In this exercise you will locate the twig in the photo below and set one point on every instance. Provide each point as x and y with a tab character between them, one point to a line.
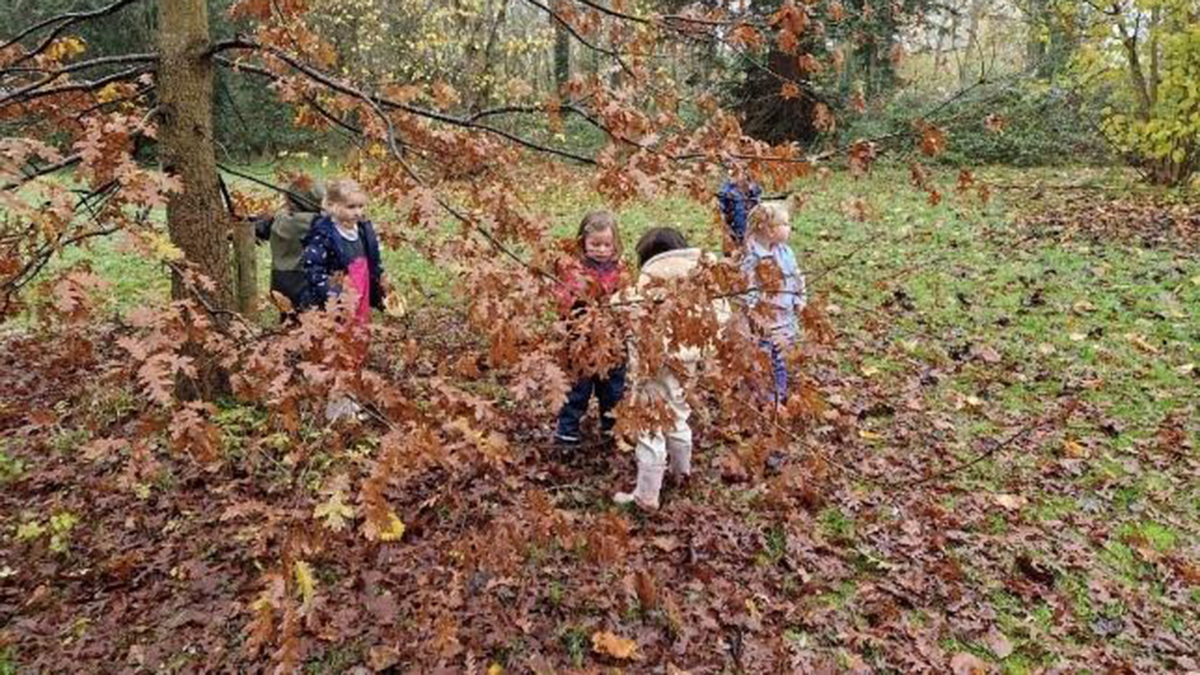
19	93
1029	428
68	19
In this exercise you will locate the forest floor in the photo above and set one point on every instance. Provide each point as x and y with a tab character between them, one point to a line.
1005	479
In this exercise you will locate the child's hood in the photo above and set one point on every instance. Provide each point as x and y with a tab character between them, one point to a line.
671	265
306	200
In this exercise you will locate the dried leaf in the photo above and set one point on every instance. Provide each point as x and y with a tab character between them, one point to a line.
1073	449
967	664
610	644
647	591
334	511
1010	502
305	581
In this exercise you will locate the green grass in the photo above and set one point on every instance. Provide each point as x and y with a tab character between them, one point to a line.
11	467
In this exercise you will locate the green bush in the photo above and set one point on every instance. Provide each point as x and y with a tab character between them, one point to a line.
1040	127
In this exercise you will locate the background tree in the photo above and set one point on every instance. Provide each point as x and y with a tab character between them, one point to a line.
1142	60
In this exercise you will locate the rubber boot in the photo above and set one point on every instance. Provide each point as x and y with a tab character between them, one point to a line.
649	484
679	456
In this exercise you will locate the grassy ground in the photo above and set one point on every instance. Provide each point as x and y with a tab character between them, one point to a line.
1056	359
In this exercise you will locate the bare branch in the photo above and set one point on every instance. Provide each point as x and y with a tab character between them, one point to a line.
42	171
575	34
389	104
614	13
17	94
67	20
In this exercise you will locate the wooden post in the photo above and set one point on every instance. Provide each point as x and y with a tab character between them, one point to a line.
246	268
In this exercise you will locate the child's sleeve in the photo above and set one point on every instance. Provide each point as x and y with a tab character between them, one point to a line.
316	268
750	273
567	292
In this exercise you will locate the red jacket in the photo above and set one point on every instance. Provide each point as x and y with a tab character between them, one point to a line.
586	280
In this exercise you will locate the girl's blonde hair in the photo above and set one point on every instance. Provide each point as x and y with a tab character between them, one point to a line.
340	191
600	221
770	214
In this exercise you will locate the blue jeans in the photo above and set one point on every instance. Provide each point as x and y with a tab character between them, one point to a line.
608	390
778	371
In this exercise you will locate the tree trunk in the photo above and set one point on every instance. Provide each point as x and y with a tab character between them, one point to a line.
484	98
562	55
975	13
1035	45
1155	20
1137	79
196	218
246	268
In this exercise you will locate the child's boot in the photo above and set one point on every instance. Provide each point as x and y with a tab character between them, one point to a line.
649	484
679	456
679	467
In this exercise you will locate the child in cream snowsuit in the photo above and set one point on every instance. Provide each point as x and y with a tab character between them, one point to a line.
664	255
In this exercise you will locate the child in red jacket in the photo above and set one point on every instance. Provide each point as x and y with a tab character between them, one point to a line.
595	275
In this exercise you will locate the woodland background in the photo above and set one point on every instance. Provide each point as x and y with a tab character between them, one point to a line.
989	464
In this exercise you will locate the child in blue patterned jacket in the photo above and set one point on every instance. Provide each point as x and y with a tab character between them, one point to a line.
775	280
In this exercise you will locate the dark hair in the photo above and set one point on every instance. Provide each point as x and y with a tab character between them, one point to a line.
600	221
659	240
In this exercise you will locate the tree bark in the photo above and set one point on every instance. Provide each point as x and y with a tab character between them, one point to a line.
1155	20
196	219
1137	79
562	55
484	98
246	266
195	215
1035	45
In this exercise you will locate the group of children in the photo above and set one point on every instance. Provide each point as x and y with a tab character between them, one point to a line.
322	247
774	299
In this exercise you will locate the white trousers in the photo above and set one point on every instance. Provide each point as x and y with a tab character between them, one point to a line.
674	443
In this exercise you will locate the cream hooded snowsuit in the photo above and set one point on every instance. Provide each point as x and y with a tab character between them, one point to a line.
673	444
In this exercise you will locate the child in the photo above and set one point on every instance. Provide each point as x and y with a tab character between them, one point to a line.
775	280
287	231
595	274
663	255
737	198
340	249
341	253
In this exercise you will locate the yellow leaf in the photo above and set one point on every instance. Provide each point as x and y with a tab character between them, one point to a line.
1073	449
163	247
1140	342
394	304
65	48
305	580
752	609
609	644
1010	502
394	530
109	93
334	511
870	371
495	669
868	435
